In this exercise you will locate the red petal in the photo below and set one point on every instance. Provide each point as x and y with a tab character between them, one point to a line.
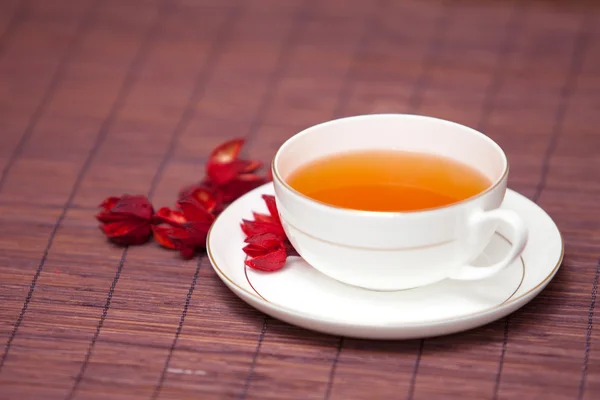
108	217
125	233
272	261
272	206
109	203
197	232
251	166
208	198
189	239
262	217
137	206
138	236
171	217
253	251
162	235
125	208
118	228
177	238
252	228
221	173
226	152
267	246
194	210
265	240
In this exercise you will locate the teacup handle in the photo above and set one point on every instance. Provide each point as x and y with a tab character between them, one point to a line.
517	234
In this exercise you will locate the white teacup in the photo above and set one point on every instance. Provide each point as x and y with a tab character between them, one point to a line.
397	250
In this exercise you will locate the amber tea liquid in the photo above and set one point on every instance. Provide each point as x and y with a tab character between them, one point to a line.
388	180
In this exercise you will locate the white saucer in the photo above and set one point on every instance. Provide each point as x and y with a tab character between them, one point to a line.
300	295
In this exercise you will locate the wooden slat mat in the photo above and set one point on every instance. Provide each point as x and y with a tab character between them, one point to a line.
100	98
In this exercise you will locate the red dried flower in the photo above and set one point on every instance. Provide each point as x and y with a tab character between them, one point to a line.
126	220
264	223
185	229
223	164
230	176
268	246
211	200
266	252
227	176
131	219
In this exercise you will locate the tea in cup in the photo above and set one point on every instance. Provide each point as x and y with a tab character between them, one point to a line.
394	201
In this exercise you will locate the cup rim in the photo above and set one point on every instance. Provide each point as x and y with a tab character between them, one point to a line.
306	131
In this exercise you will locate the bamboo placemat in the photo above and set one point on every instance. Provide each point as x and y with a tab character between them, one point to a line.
102	98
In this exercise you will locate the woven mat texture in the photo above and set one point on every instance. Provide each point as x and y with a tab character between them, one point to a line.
101	98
